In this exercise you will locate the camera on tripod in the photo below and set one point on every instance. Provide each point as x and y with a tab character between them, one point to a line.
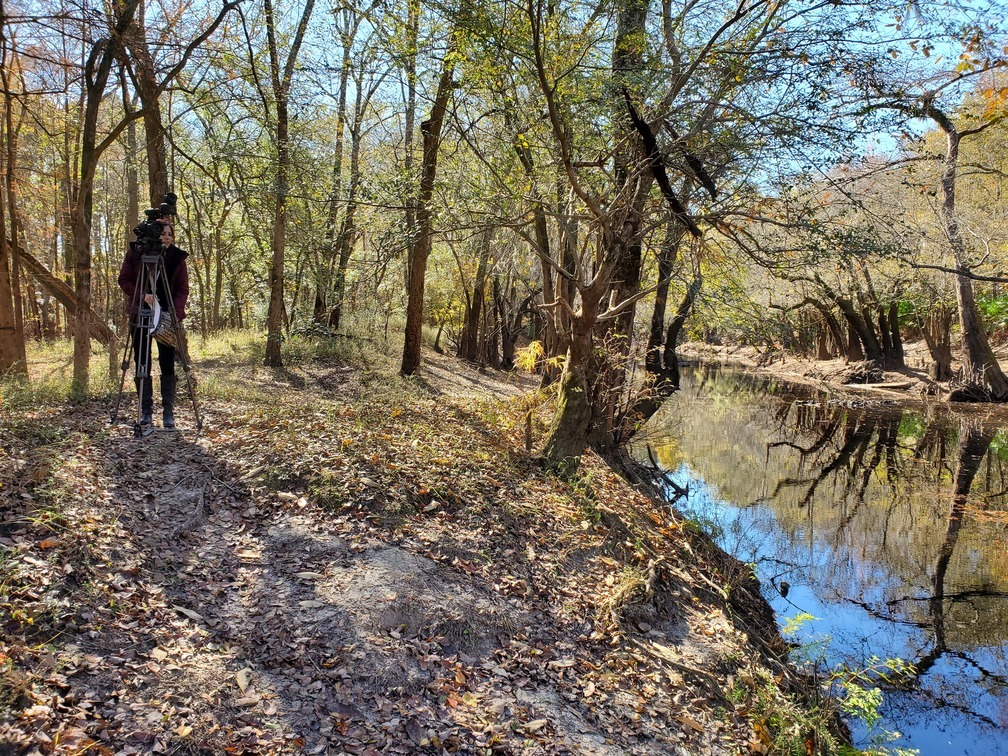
148	232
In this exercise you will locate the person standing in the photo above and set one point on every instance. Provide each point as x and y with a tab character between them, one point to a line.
178	282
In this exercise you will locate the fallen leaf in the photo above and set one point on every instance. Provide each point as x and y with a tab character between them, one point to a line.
183	731
413	729
194	616
310	575
535	725
242	678
49	543
687	721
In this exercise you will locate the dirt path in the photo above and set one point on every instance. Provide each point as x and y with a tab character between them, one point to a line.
347	576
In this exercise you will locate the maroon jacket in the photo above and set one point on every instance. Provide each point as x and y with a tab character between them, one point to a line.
177	273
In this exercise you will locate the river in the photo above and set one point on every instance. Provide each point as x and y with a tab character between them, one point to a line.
887	525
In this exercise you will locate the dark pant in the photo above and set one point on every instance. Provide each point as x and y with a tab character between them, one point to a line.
142	345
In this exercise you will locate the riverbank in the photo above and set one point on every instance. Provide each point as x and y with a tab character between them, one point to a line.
346	561
910	385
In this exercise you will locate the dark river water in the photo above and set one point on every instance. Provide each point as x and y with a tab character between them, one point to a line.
888	526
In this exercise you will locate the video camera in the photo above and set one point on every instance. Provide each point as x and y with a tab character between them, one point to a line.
148	233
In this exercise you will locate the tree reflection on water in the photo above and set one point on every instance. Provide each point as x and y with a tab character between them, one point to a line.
888	524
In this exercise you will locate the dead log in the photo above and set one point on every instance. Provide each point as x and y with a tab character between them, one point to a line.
64	295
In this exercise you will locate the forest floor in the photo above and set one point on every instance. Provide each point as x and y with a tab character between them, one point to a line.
345	561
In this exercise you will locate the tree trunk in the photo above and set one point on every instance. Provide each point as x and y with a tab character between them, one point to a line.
97	70
422	242
896	358
666	262
469	341
274	321
979	362
281	81
675	327
348	233
412	36
12	211
568	433
936	329
147	87
332	246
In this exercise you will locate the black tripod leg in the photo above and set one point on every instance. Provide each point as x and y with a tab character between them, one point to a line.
122	380
143	373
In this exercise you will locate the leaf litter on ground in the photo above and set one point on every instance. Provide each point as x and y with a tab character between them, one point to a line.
357	569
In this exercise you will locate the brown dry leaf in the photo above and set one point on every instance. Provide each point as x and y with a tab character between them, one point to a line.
242	678
535	725
183	731
688	721
194	616
49	543
413	729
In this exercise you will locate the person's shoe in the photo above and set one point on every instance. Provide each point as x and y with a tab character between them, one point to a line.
168	419
146	417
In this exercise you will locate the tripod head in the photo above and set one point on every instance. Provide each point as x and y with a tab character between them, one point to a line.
148	232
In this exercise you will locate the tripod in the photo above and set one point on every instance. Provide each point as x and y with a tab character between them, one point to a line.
150	276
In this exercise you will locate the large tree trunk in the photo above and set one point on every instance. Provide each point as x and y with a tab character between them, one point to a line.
12	357
422	243
861	329
979	362
97	70
15	262
633	181
895	360
147	87
568	433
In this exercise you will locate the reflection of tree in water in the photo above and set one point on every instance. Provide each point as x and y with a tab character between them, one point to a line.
846	448
889	522
974	440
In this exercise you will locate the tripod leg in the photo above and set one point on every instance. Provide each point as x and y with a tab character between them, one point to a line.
122	379
183	354
143	380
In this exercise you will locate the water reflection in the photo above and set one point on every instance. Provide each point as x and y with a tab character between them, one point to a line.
887	525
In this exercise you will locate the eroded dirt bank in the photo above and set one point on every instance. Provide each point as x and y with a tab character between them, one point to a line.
344	561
